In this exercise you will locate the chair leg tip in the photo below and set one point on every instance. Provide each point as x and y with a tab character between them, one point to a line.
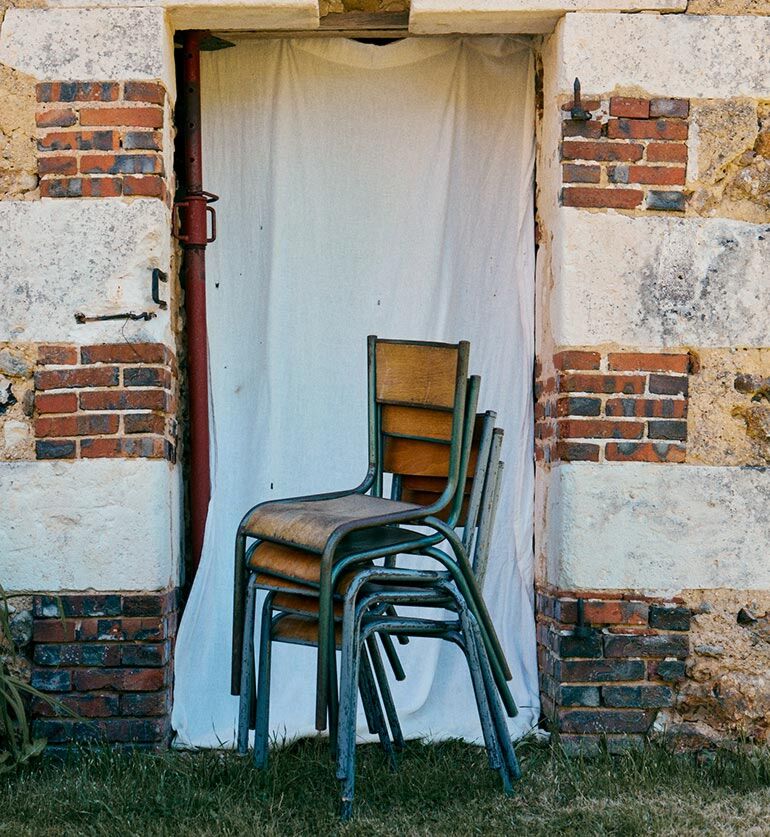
346	810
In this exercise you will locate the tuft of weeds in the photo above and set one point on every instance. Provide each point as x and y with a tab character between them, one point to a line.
440	789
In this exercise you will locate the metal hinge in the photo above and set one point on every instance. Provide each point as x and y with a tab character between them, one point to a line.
190	214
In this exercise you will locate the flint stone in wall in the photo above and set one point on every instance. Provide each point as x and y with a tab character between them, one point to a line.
660	282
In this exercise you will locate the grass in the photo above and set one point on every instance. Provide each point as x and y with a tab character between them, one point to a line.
440	789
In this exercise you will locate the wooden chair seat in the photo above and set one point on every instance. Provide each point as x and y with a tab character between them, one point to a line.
302	630
308	524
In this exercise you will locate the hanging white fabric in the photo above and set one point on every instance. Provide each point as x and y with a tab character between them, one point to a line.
365	190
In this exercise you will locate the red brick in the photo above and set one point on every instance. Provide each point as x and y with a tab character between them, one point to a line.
54	630
572	173
657	175
578	406
102	187
62	188
576	359
119	679
125	353
648	362
139	117
661	129
144	423
79	141
635	108
56	118
60	164
544	430
144	91
149	447
77	425
670	107
605	720
602	198
586	104
77	91
615	612
121	164
86	706
577	452
142	140
620	152
146	704
140	399
591	129
155	604
666	152
105	376
59	402
648	407
148	186
644	452
50	355
600	429
581	382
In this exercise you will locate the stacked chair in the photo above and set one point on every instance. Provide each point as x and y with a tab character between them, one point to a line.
329	562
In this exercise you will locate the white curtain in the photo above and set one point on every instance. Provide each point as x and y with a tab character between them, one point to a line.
365	190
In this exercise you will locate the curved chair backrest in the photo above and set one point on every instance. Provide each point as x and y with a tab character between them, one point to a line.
418	401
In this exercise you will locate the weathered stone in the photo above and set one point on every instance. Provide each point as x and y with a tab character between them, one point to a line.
14	365
21	628
728	7
18	158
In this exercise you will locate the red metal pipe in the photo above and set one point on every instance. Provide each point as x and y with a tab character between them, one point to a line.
194	212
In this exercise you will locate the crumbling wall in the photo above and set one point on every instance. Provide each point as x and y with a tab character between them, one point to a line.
18	152
17	401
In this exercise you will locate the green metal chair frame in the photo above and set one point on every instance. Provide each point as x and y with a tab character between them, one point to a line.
364	552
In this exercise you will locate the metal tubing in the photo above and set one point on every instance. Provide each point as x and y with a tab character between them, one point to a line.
195	300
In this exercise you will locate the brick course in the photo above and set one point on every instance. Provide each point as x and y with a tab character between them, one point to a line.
628	146
101	139
610	675
615	406
108	400
108	658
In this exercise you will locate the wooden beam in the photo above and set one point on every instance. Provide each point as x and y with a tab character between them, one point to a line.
390	25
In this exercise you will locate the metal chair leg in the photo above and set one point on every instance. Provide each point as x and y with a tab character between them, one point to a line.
262	726
385	693
369	694
247	672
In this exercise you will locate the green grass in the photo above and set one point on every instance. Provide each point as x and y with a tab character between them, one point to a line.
441	789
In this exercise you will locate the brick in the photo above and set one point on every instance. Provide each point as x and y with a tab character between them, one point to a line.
659	129
144	91
576	359
107	730
105	376
599	671
634	645
668	385
145	704
644	452
62	188
657	175
88	604
147	376
51	680
102	187
134	117
671	430
125	353
638	697
93	654
77	425
650	407
590	128
615	612
55	449
624	106
666	201
599	198
671	670
670	618
86	706
600	429
577	452
626	384
148	186
586	104
140	446
139	655
157	604
602	152
142	141
77	91
60	164
572	173
121	164
578	406
119	679
120	629
571	645
663	152
145	399
578	696
596	745
56	118
677	108
144	423
618	174
58	402
79	141
605	720
54	630
58	654
647	362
